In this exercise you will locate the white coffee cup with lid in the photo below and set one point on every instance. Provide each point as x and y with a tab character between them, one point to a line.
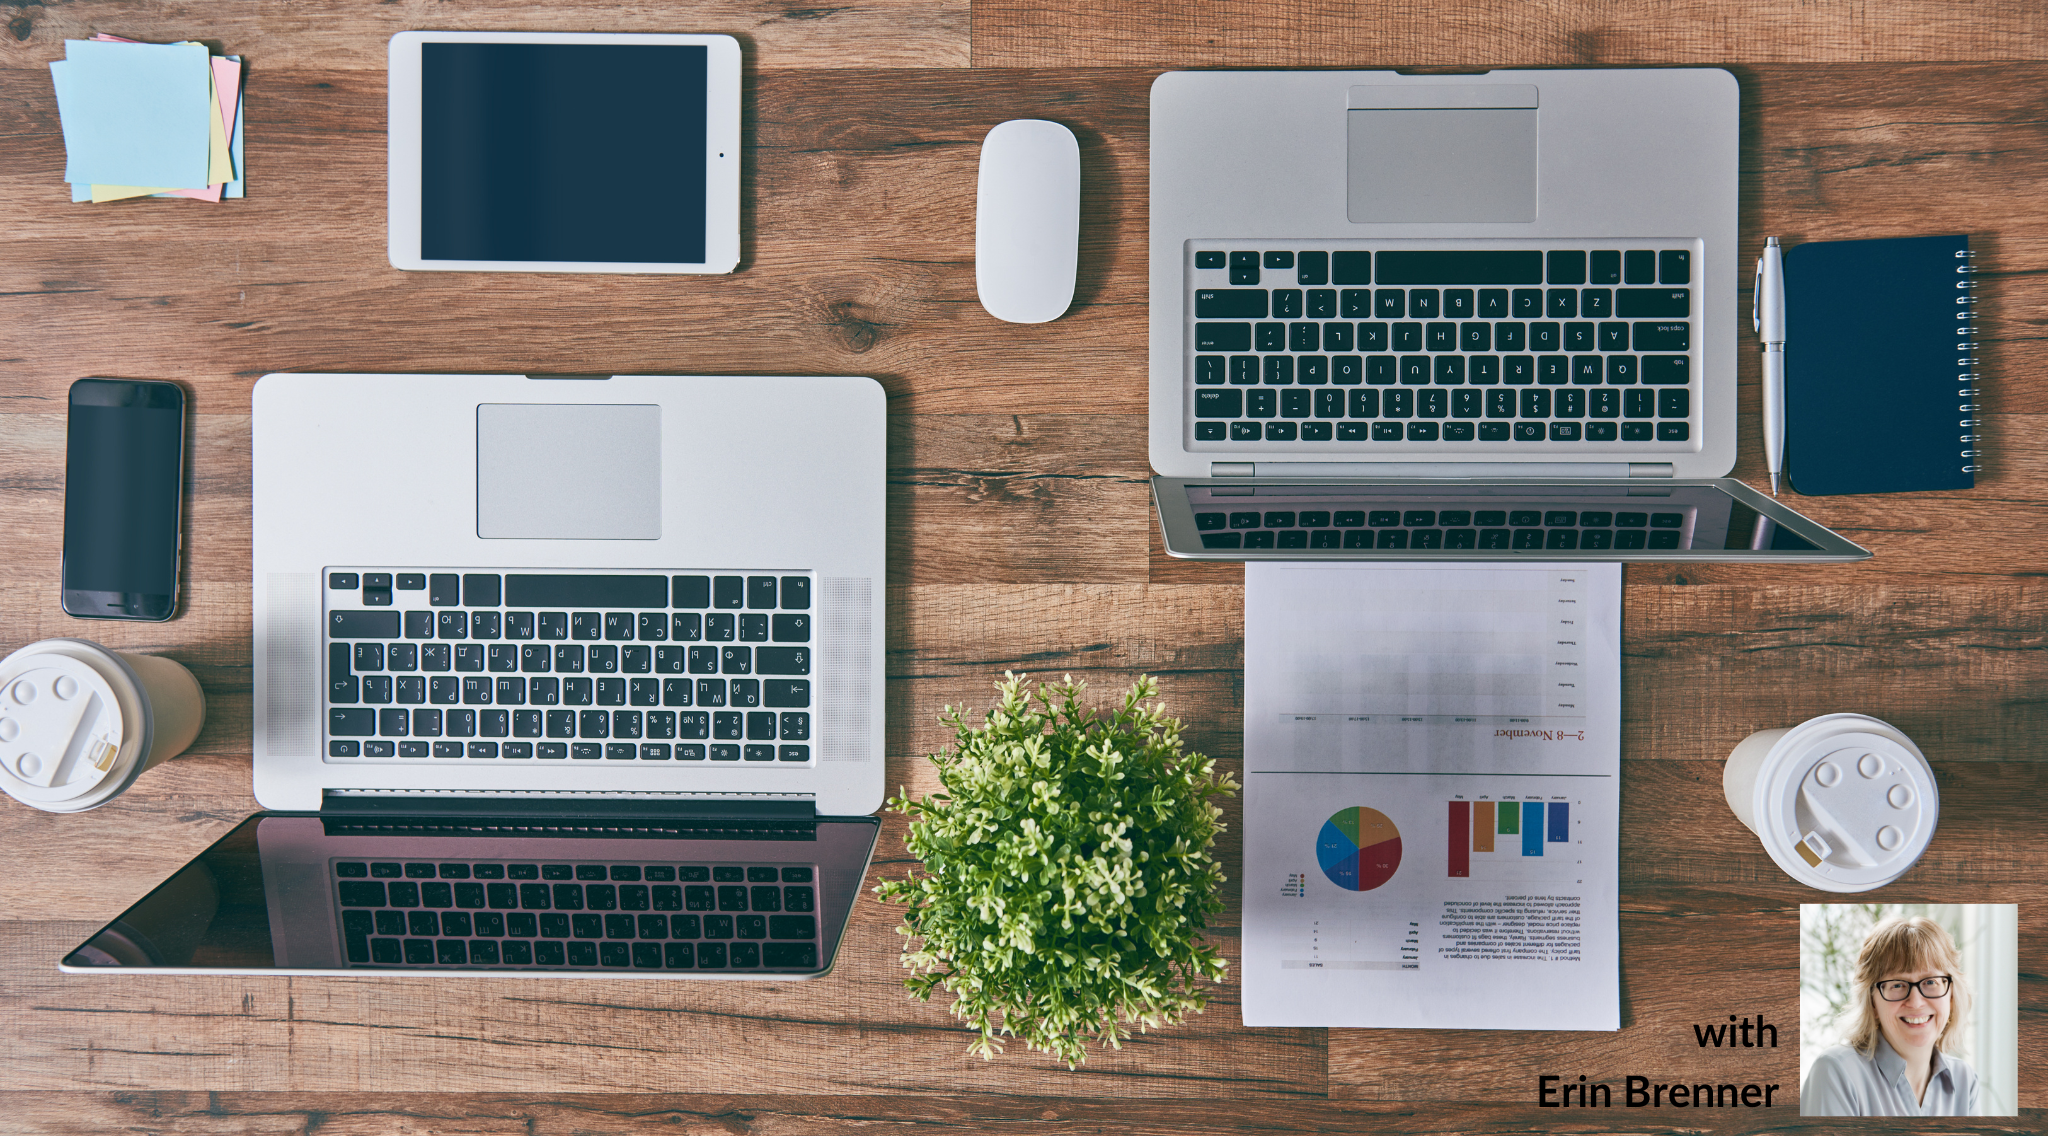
79	723
1842	802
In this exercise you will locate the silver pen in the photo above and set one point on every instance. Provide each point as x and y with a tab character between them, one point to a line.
1768	313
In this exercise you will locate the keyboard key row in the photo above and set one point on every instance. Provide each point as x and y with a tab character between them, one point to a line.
344	688
588	873
1446	432
469	897
581	751
370	657
1375	336
634	725
521	925
1485	266
548	953
1438	403
1441	303
1442	370
492	589
1423	518
1463	538
346	658
656	627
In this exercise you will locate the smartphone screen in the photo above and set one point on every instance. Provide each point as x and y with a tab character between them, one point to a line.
124	467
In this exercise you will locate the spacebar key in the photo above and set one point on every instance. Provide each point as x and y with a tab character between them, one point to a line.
1481	266
586	591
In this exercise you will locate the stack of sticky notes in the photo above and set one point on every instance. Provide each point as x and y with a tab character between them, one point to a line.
149	119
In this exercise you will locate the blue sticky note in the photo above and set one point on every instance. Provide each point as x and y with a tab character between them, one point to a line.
134	113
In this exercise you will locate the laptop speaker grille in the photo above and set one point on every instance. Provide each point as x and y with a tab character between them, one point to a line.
846	654
291	697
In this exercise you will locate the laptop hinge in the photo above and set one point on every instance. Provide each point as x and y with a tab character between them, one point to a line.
591	806
1486	471
594	818
578	378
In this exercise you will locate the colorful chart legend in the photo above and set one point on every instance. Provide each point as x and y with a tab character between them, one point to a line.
1359	849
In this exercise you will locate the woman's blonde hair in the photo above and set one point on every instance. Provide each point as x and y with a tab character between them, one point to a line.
1901	946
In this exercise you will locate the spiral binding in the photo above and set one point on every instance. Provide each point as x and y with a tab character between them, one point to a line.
1966	362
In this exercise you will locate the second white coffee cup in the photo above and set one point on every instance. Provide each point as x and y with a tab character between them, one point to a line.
1842	802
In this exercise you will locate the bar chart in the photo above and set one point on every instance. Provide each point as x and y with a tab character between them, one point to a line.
1494	835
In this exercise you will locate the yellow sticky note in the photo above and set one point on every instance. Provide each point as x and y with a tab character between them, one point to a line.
122	192
219	168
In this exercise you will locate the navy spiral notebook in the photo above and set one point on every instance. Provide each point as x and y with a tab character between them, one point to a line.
1880	379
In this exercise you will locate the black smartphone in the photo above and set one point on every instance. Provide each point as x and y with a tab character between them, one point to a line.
124	489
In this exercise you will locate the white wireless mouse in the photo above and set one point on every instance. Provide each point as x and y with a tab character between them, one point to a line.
1027	220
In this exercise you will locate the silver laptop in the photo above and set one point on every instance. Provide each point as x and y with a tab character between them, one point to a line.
555	675
1505	296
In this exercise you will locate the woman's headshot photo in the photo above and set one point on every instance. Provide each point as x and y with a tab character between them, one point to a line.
1908	1009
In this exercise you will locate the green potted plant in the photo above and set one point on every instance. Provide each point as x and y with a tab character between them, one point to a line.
1067	871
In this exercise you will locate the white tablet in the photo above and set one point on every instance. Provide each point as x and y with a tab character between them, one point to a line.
563	152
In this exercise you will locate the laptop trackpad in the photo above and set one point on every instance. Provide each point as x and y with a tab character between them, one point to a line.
554	471
1442	165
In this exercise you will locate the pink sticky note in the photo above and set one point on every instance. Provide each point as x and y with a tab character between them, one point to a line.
227	82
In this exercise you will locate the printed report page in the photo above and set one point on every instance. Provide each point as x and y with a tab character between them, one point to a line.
1432	788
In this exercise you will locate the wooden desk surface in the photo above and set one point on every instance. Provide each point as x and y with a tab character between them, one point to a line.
1020	537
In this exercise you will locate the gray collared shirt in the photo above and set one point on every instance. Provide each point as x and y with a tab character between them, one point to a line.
1843	1082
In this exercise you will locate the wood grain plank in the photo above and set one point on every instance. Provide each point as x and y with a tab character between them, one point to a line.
1501	33
1703	667
343	36
173	1113
857	257
1016	499
855	1030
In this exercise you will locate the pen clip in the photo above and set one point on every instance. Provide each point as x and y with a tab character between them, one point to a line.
1756	298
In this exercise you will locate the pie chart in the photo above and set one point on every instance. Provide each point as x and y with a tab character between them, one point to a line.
1359	848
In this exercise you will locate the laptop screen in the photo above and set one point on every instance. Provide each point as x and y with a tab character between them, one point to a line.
647	898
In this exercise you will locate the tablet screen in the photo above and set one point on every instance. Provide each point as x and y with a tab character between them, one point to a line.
563	152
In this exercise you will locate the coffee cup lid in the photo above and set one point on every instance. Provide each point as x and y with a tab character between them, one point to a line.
68	736
1846	803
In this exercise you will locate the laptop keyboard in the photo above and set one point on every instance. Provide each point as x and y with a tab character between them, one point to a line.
602	666
1479	529
1351	348
540	916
